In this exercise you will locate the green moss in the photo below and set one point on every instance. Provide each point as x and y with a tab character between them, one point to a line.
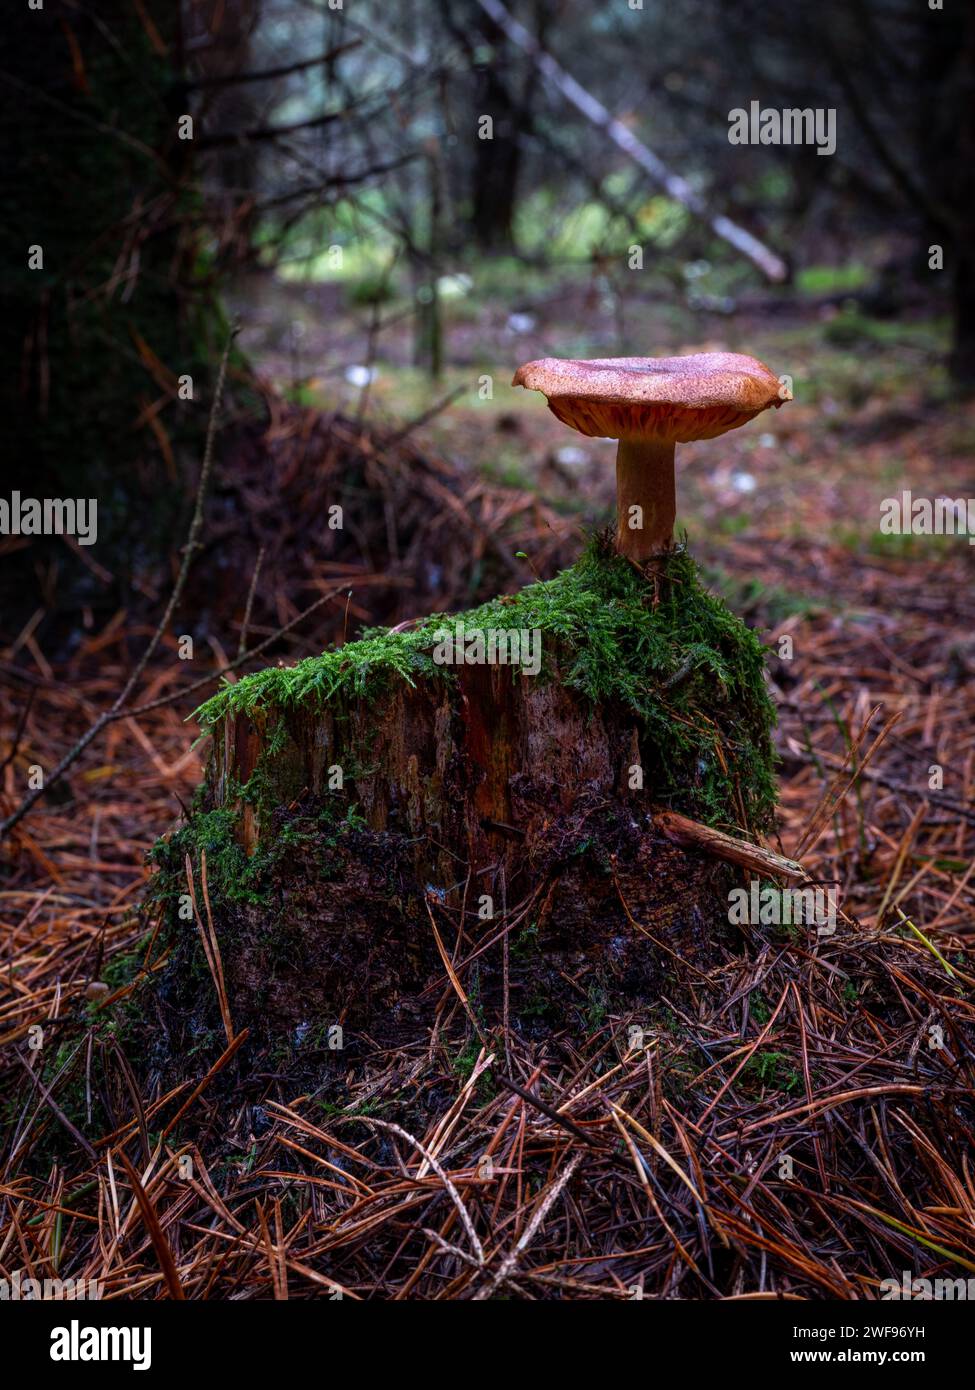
672	654
366	667
126	966
774	1070
832	279
232	876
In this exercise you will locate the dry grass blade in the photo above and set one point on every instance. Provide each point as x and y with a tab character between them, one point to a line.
159	1243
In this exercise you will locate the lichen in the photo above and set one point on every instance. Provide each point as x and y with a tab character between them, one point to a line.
669	652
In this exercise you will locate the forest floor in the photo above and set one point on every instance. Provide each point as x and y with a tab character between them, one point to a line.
784	514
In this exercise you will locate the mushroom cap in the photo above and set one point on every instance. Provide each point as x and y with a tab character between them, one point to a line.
669	400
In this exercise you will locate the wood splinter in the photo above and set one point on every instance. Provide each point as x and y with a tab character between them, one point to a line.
685	831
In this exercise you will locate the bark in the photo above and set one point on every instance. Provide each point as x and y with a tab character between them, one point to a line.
498	778
223	50
496	164
94	176
945	115
487	176
477	769
962	361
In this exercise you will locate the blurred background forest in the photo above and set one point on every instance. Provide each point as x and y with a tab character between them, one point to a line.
318	172
321	170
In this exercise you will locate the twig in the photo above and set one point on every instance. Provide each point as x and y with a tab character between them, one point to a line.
192	542
242	644
685	831
441	1173
211	947
185	690
233	79
510	1260
159	1242
55	1108
19	733
550	1111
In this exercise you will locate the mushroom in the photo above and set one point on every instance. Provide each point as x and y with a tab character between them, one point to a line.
651	404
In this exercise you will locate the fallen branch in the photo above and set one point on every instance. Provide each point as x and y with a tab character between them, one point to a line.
676	187
685	831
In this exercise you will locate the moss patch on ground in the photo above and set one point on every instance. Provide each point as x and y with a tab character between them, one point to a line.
669	652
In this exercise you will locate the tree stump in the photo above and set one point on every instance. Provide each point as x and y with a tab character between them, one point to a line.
380	831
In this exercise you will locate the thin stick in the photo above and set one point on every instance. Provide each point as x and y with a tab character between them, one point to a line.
547	1202
159	1242
192	543
242	644
208	936
229	666
771	265
690	832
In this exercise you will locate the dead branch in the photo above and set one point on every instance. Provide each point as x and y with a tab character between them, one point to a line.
676	187
685	831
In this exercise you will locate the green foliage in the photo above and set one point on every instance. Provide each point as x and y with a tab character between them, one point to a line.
371	289
774	1070
832	279
231	875
758	1008
365	667
123	968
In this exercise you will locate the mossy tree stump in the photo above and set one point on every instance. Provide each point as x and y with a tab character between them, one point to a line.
362	804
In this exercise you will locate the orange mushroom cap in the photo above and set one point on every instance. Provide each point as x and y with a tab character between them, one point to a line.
670	400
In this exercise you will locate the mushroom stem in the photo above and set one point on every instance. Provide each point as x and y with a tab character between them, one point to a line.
645	479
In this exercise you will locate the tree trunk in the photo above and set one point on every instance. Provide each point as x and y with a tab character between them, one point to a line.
486	177
946	147
963	345
94	338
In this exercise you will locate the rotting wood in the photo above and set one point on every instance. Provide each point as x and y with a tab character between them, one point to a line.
684	831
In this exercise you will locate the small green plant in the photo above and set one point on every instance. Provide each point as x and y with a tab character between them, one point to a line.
758	1008
774	1070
